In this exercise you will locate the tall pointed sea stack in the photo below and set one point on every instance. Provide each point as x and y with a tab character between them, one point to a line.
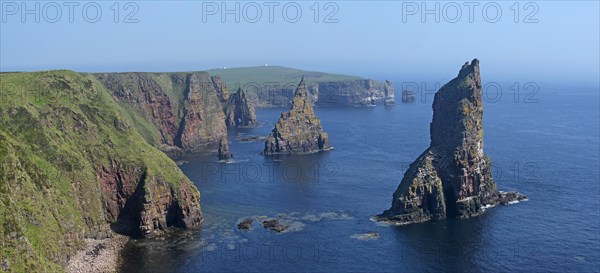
239	111
298	131
452	178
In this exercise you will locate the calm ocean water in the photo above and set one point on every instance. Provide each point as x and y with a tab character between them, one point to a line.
548	150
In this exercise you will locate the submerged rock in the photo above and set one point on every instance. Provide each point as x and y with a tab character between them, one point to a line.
239	111
245	224
366	236
274	225
251	138
298	131
452	178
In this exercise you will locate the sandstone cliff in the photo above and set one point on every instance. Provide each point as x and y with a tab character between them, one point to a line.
72	166
452	178
239	111
181	112
298	131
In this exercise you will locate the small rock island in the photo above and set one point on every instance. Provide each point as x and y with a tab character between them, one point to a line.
388	91
239	111
298	131
453	177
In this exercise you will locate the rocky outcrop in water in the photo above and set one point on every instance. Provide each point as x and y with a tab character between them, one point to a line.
388	92
223	151
274	225
298	131
452	178
408	96
246	224
239	111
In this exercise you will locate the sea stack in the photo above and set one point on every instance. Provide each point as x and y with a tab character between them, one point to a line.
298	131
388	92
239	111
453	177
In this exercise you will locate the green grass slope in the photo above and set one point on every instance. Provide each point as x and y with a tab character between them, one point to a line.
56	128
269	74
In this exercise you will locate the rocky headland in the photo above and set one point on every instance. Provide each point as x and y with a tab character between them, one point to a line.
298	131
453	177
75	169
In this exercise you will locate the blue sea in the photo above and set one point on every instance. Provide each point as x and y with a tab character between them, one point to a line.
544	145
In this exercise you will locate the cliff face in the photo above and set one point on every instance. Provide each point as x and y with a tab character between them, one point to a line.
299	130
452	178
275	86
351	93
221	89
73	166
140	206
203	120
347	93
239	111
186	109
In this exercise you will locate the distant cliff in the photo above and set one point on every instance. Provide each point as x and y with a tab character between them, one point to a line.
408	96
73	165
352	93
298	131
453	177
275	86
181	112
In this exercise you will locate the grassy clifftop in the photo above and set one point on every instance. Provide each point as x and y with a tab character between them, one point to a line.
269	74
57	130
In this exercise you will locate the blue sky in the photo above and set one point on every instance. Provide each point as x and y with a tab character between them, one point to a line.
370	38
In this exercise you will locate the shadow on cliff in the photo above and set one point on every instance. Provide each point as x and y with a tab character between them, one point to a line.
130	221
